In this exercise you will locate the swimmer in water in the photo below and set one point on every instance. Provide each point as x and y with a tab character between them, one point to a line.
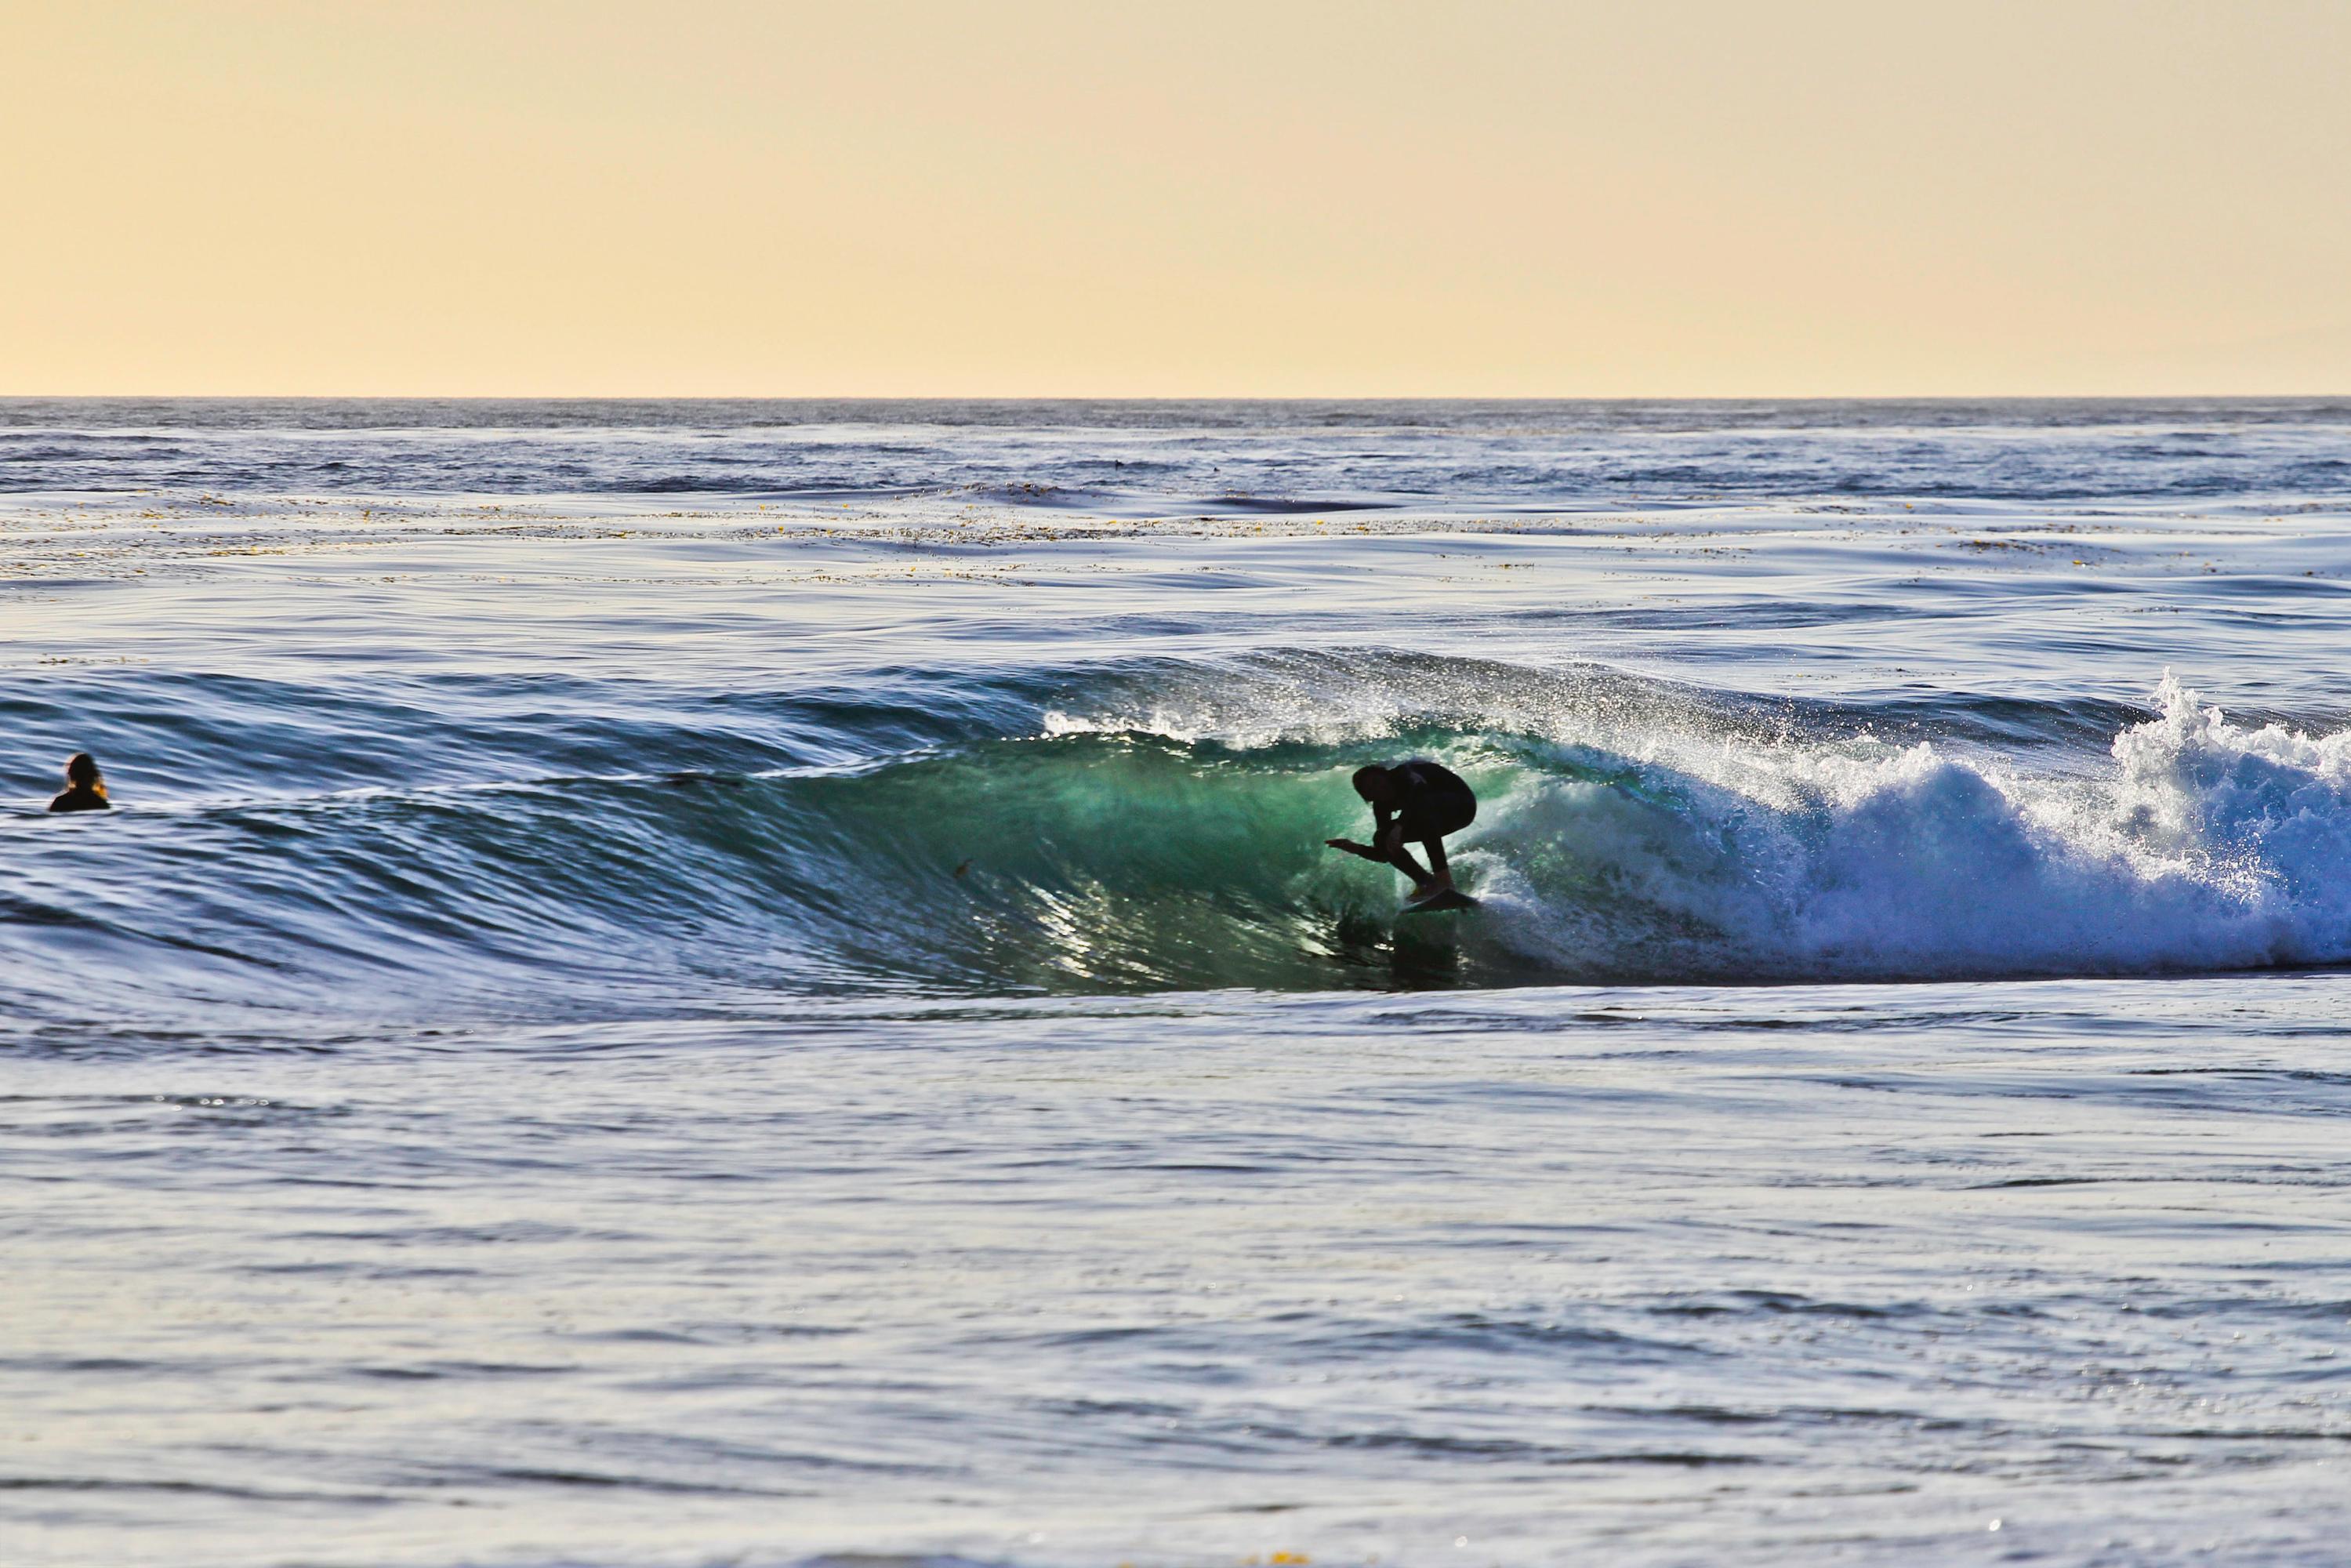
1415	802
85	786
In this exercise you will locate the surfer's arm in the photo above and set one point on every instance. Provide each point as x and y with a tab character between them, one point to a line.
1394	854
1384	845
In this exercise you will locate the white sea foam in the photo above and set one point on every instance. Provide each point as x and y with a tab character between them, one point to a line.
2210	846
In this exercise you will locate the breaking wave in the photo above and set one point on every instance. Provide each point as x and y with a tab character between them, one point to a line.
1163	831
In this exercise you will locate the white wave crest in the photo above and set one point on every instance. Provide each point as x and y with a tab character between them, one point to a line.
2210	846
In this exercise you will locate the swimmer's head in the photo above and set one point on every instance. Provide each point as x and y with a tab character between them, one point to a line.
1375	785
81	772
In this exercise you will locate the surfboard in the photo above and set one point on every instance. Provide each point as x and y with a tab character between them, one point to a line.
1451	898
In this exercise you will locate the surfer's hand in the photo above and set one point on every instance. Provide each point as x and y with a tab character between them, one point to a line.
1352	848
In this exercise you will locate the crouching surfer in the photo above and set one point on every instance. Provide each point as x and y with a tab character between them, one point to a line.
1416	801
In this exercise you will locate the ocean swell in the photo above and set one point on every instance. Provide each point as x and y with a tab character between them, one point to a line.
1630	833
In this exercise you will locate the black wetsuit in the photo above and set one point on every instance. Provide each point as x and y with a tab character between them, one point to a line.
80	799
1433	801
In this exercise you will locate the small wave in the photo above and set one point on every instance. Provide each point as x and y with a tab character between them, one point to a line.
1291	506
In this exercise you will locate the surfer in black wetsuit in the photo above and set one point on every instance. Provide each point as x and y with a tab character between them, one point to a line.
1413	803
85	786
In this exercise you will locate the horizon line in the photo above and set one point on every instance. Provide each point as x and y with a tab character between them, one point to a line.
1177	397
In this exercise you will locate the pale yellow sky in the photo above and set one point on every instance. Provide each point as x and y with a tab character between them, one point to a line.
1041	197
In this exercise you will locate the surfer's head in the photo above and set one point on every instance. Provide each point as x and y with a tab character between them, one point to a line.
81	772
1376	785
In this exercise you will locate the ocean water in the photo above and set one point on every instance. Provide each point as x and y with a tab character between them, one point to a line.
692	984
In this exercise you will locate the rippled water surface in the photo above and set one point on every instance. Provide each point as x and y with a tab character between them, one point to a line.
681	983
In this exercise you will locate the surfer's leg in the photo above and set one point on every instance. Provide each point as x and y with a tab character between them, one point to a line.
1401	858
1439	873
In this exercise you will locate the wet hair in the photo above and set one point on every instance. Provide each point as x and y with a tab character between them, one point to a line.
81	772
1367	779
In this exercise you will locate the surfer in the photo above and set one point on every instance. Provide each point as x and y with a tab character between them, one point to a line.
85	786
1416	801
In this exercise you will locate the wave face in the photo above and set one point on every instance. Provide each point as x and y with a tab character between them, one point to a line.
1160	827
